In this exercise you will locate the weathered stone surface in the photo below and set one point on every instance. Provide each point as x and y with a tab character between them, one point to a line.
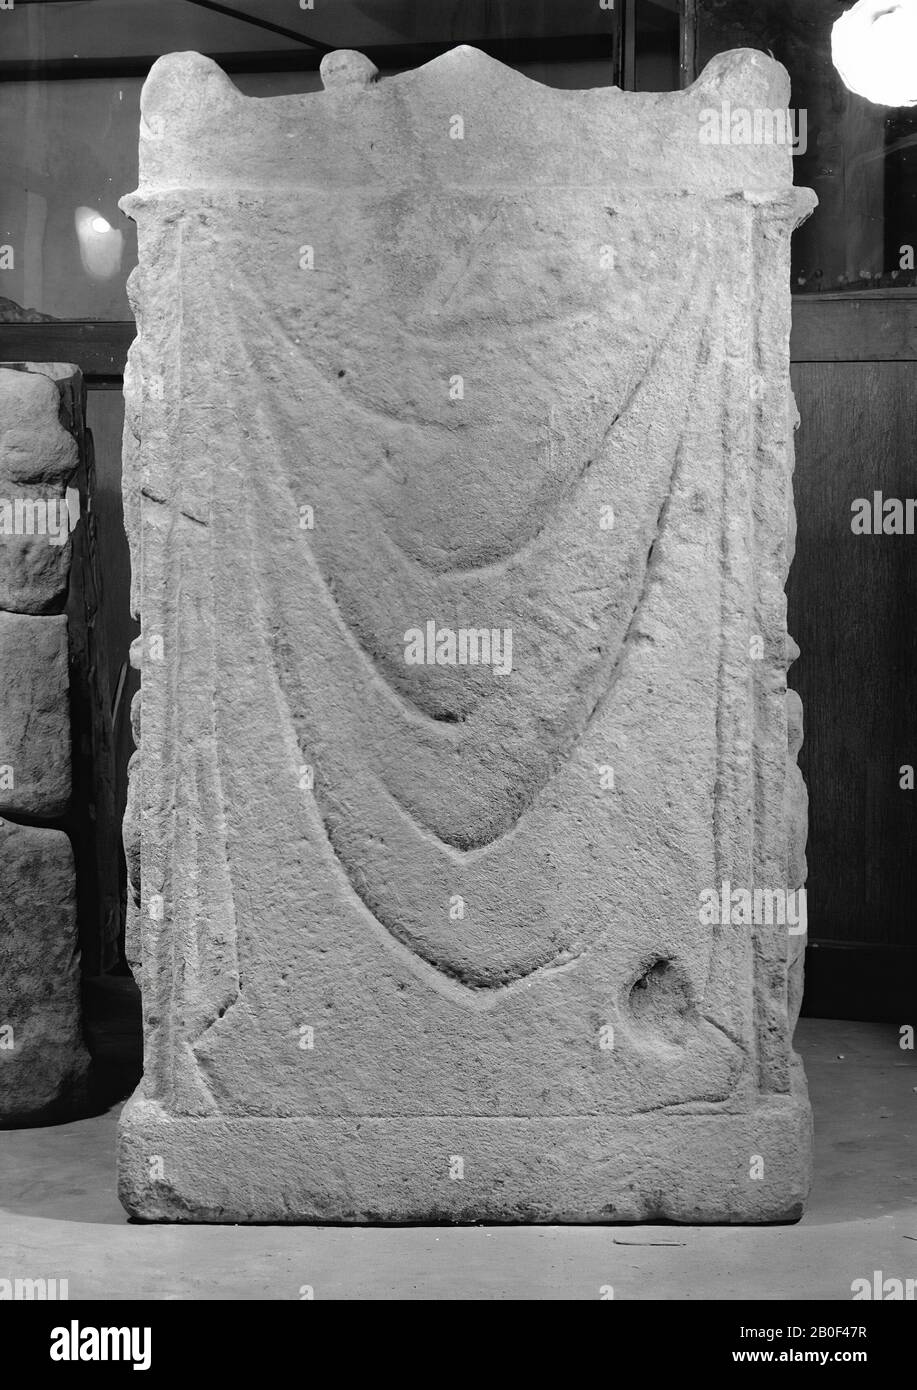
34	446
45	458
33	574
51	560
426	941
43	1062
38	460
797	815
34	716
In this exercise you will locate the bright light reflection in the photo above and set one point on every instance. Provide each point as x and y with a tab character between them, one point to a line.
874	48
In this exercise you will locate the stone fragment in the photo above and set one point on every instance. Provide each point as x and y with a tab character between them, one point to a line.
464	651
38	460
44	1065
33	574
34	446
345	68
34	716
45	460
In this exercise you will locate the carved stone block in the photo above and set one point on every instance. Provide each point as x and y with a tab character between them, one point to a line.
43	1064
34	716
458	482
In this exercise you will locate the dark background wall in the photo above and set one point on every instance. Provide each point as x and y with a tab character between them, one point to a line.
851	597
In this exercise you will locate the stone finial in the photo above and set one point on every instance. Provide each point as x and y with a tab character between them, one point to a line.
345	67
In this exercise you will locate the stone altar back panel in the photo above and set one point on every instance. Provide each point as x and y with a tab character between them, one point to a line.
458	481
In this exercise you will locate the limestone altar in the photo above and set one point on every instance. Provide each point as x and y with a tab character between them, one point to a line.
458	482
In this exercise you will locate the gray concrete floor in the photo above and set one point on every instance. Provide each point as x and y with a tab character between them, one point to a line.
60	1218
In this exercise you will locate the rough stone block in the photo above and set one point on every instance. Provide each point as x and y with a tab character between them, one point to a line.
33	574
38	460
43	1062
458	461
34	716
